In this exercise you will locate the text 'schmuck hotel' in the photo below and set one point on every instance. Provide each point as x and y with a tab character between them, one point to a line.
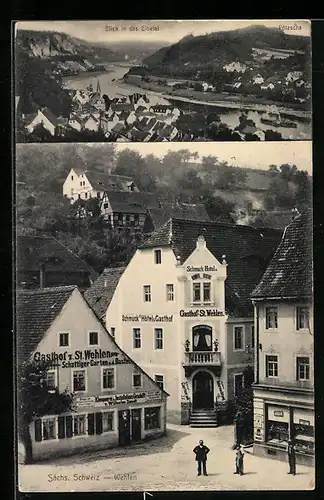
182	310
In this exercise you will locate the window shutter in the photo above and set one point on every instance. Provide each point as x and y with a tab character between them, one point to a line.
61	427
38	430
69	429
91	424
98	423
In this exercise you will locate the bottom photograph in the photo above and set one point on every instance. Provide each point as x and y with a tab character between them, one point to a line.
164	317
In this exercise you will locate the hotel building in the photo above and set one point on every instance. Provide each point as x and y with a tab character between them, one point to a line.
115	403
182	310
284	388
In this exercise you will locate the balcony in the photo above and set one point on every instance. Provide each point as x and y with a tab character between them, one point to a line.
200	359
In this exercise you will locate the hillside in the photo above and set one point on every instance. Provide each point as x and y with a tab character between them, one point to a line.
60	46
224	46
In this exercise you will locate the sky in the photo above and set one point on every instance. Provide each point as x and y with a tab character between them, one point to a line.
257	155
157	30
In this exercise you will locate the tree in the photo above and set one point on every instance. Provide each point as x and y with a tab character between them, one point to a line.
243	409
36	399
218	207
133	164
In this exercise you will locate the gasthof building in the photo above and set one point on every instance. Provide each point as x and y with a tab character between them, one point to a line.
182	310
284	388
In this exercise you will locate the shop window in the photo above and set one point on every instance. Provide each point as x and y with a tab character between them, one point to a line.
136	338
277	432
147	293
152	418
157	256
238	338
49	429
51	379
108	378
304	435
271	317
302	317
79	383
79	425
159	379
107	421
170	292
93	338
272	366
64	339
302	368
158	333
137	380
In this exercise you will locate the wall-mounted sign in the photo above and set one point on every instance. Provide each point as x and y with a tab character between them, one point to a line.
278	413
201	313
147	318
198	269
116	399
82	359
304	422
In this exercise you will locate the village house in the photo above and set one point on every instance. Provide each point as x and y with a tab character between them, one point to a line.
91	123
83	184
115	403
257	79
44	261
42	117
235	66
182	309
162	109
122	209
293	76
284	386
75	122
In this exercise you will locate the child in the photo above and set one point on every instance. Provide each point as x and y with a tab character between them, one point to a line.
239	461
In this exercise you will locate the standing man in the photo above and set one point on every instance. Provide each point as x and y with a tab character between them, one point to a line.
201	452
291	458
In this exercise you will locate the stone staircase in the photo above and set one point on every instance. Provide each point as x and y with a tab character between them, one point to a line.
203	418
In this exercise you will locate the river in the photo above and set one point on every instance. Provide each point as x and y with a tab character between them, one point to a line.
111	83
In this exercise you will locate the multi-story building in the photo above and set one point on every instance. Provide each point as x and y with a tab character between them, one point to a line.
182	310
114	401
284	388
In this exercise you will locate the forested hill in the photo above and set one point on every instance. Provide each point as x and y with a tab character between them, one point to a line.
225	46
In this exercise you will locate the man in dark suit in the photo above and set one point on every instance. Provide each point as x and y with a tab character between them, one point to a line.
201	452
291	458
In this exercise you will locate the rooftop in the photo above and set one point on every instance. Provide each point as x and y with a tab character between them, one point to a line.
102	181
289	274
131	201
100	294
248	251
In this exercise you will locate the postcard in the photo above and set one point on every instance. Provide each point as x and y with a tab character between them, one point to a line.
163	81
164	315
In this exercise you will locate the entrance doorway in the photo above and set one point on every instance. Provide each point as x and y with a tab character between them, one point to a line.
202	338
124	427
202	391
136	425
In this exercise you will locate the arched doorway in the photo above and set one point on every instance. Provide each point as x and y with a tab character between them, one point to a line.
202	338
202	391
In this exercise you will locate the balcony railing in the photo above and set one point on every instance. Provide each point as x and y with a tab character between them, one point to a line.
203	358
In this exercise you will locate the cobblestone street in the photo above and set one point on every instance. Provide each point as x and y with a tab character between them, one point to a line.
166	464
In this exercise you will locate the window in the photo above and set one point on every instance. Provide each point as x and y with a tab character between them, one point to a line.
271	317
170	292
79	381
51	379
107	421
105	205
79	196
49	429
71	177
302	318
64	340
136	338
158	338
93	338
159	381
86	195
147	293
79	425
98	194
201	291
152	418
158	256
238	383
238	338
302	368
272	366
112	331
137	380
80	183
108	378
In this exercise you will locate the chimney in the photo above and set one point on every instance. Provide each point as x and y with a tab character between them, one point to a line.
41	275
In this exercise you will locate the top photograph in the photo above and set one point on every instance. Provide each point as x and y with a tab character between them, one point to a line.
162	81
